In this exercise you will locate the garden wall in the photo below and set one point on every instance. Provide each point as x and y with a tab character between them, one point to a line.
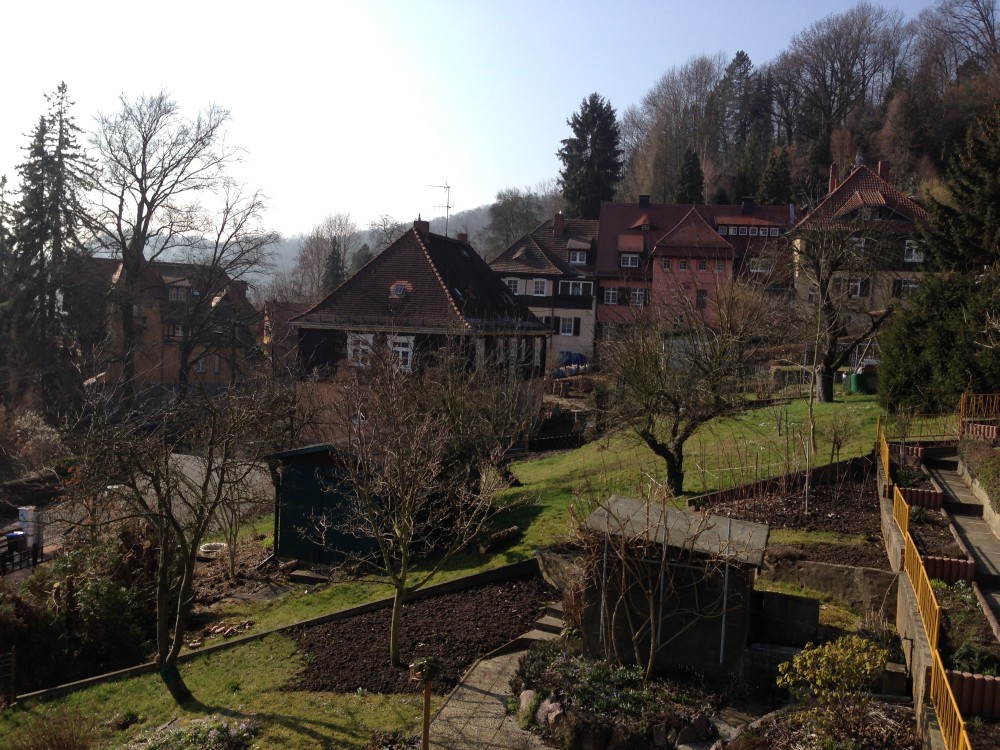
863	589
917	652
991	517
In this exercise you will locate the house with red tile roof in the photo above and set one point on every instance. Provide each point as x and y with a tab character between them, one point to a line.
551	269
416	293
679	255
884	260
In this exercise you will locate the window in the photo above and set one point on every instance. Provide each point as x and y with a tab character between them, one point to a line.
753	231
701	299
720	266
667	264
912	252
637	297
702	265
566	326
178	293
537	359
859	245
852	287
743	231
628	260
576	288
682	264
359	349
402	348
723	230
760	265
539	288
610	296
514	285
176	330
199	365
904	287
217	368
578	257
774	231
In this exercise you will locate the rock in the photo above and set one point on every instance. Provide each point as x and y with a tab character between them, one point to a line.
545	710
555	718
671	737
525	701
658	735
702	727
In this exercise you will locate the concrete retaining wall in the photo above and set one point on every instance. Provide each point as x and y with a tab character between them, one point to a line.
990	515
863	589
917	652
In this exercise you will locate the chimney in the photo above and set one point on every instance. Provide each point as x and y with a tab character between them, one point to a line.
884	168
463	237
643	201
558	224
749	205
834	177
423	227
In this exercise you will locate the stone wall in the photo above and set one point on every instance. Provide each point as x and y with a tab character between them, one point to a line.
863	589
917	652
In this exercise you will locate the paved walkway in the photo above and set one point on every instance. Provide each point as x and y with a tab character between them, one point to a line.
966	515
474	715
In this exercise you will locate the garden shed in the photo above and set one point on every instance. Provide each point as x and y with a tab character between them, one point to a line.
669	588
313	486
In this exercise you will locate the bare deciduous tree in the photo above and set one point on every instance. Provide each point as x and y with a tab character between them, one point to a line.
336	230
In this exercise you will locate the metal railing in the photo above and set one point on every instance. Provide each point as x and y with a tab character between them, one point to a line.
978	406
883	448
942	697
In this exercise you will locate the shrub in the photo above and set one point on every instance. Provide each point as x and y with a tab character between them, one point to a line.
392	741
982	461
533	664
53	730
835	680
208	733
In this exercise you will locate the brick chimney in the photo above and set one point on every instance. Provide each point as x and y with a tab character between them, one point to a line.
643	201
883	170
749	205
463	237
834	177
558	224
423	227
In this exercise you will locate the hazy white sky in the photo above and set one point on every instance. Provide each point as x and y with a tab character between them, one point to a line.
360	106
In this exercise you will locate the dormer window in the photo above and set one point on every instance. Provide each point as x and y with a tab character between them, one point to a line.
753	231
628	260
177	293
578	257
723	230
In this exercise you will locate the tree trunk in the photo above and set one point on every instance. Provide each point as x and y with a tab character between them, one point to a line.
824	385
675	472
397	614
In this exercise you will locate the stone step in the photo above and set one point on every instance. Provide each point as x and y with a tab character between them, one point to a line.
957	508
555	609
550	624
538	635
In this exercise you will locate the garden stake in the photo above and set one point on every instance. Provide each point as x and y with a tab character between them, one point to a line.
426	670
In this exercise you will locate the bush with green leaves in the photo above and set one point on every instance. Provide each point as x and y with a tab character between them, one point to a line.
208	733
58	729
835	680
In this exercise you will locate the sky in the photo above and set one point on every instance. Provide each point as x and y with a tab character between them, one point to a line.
368	107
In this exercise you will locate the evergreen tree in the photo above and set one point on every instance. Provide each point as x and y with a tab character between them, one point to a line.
592	158
690	180
361	256
335	270
776	183
720	197
966	229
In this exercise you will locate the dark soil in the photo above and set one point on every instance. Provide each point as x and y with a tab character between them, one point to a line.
985	735
967	642
251	580
348	655
848	507
929	529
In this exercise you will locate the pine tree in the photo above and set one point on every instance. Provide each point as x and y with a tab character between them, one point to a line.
361	256
690	180
966	231
335	270
776	183
592	158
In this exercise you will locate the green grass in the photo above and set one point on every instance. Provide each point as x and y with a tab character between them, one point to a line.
834	616
250	680
796	536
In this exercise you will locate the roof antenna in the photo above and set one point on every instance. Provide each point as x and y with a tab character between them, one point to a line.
447	204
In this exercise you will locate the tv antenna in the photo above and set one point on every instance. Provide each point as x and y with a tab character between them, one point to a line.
447	203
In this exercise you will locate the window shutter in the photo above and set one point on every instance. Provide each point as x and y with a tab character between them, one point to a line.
623	295
555	324
866	287
645	297
897	288
547	321
576	326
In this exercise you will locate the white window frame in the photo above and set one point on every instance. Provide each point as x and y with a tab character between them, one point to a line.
682	264
177	293
564	329
702	264
578	257
610	295
850	286
907	287
628	260
359	349
720	266
913	252
637	297
760	265
199	365
774	231
754	231
402	349
539	287
701	299
514	285
723	230
668	264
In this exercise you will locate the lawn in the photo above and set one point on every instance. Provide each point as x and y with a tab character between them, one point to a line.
250	679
